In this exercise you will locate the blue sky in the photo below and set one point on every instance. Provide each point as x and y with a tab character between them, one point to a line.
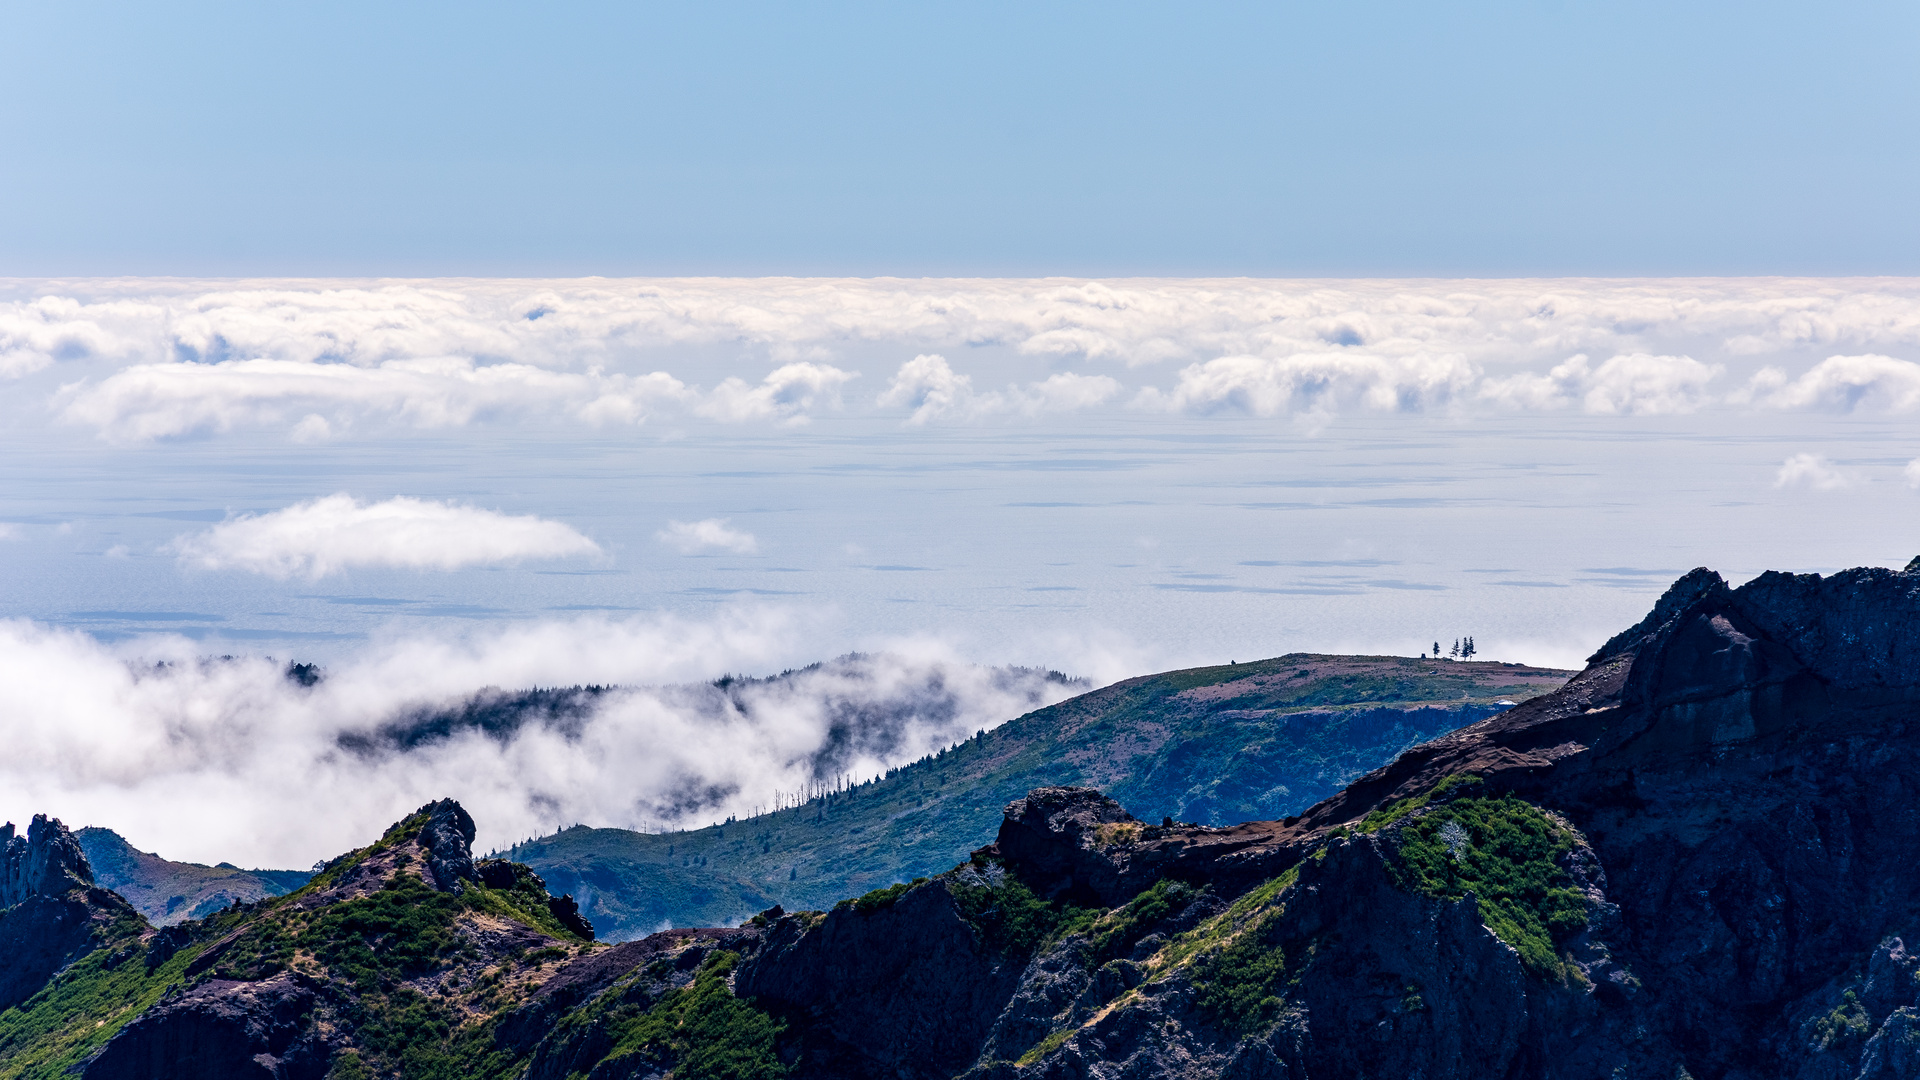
1091	139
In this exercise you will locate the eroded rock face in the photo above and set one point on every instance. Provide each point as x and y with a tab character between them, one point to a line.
50	913
45	862
447	838
222	1029
1745	769
905	990
1061	837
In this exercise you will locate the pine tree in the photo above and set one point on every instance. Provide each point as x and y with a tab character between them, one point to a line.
1466	650
1455	652
1436	650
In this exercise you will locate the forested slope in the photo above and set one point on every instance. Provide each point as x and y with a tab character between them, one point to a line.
1209	745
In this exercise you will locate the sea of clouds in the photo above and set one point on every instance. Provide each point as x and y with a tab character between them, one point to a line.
211	759
141	359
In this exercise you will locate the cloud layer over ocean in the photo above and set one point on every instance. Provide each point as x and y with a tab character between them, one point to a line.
434	488
136	360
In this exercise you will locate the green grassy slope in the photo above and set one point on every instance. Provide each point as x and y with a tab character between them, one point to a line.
413	977
1213	745
168	892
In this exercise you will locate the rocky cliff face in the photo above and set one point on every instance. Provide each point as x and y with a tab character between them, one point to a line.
45	862
1720	881
50	913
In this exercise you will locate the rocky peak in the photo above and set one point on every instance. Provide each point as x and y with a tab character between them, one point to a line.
1058	837
1697	585
447	839
1075	813
45	862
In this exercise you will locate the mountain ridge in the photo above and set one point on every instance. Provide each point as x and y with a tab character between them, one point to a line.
1694	859
168	892
1228	741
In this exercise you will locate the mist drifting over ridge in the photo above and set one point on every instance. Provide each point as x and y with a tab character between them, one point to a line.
231	758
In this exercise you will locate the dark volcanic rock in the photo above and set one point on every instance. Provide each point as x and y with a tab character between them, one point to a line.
38	937
901	990
45	862
221	1030
52	913
564	909
1057	837
448	840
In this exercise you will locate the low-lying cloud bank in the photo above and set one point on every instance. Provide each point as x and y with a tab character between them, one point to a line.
711	534
156	359
233	759
338	532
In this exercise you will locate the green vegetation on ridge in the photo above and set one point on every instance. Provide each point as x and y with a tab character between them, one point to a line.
1213	745
703	1032
1507	854
82	1007
417	994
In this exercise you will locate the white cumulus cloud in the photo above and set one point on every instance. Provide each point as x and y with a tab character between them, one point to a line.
1639	384
1839	384
929	388
582	324
787	394
707	535
1813	471
1316	384
338	532
37	333
148	401
322	359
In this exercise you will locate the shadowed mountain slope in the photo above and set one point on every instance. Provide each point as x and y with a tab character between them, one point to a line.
1210	745
168	892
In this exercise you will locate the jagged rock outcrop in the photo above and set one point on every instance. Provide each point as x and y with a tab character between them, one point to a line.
371	971
45	862
50	912
447	838
1061	836
566	912
904	987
